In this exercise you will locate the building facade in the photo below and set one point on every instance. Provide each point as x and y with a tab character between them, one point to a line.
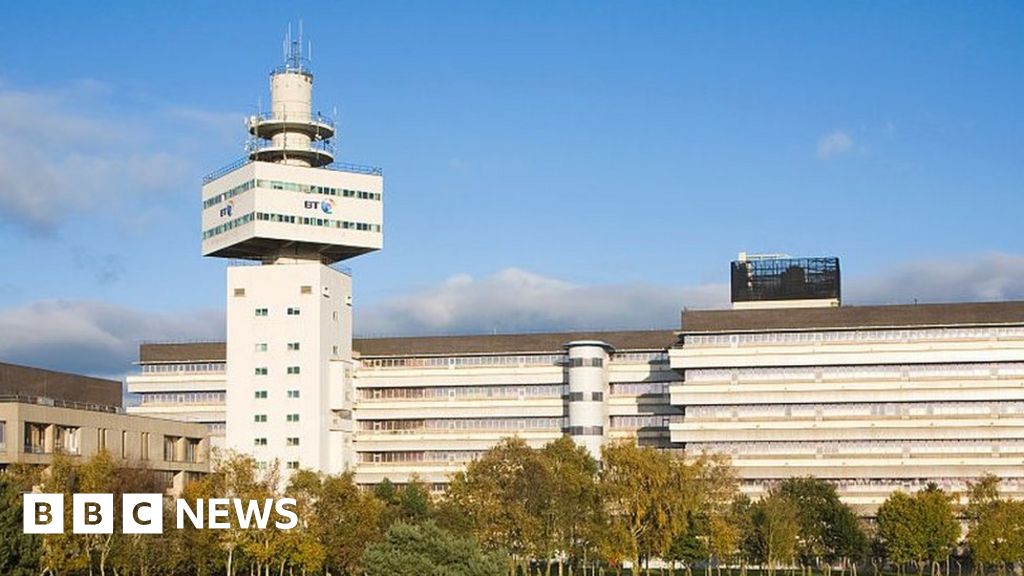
873	398
43	413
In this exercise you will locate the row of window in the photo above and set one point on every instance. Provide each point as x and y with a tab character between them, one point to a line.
197	367
445	424
426	456
848	336
291	465
228	194
262	418
465	361
872	447
263	370
321	222
463	392
637	422
263	347
262	394
290	186
866	372
586	397
290	441
229	225
856	410
153	398
310	189
585	362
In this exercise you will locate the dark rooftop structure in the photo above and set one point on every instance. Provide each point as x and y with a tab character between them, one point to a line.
854	317
25	381
778	278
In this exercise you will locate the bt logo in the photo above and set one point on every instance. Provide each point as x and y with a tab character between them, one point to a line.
227	210
325	206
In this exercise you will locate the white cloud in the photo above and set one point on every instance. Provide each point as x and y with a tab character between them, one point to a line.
99	338
989	276
93	337
518	300
834	144
60	160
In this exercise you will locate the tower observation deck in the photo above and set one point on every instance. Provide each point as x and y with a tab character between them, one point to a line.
291	133
287	199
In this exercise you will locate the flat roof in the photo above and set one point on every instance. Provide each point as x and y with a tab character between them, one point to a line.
550	342
186	352
17	380
854	317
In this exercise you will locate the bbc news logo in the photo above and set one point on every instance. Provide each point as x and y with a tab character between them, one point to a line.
143	513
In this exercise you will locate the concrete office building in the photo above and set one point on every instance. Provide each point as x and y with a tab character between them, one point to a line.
43	412
875	398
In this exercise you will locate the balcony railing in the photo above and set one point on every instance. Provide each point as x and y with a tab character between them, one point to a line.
44	401
336	166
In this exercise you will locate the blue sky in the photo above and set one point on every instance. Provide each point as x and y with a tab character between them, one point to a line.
547	164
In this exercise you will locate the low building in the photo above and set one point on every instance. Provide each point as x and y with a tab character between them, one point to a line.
79	416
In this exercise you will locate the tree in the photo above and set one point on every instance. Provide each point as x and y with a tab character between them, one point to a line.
648	495
773	530
19	552
425	549
573	513
828	528
921	528
502	496
995	533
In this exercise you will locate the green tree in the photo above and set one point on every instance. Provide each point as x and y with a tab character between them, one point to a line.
503	495
773	530
921	528
829	529
995	534
19	552
573	513
425	549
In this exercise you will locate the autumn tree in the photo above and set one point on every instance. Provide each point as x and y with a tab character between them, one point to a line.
503	495
648	496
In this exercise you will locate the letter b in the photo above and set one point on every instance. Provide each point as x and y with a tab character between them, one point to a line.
43	514
93	513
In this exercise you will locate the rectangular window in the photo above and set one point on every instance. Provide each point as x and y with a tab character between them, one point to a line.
292	441
144	446
124	444
239	292
261	394
293	465
261	346
101	438
259	418
262	312
260	442
293	369
306	290
293	311
293	346
261	371
293	393
293	418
